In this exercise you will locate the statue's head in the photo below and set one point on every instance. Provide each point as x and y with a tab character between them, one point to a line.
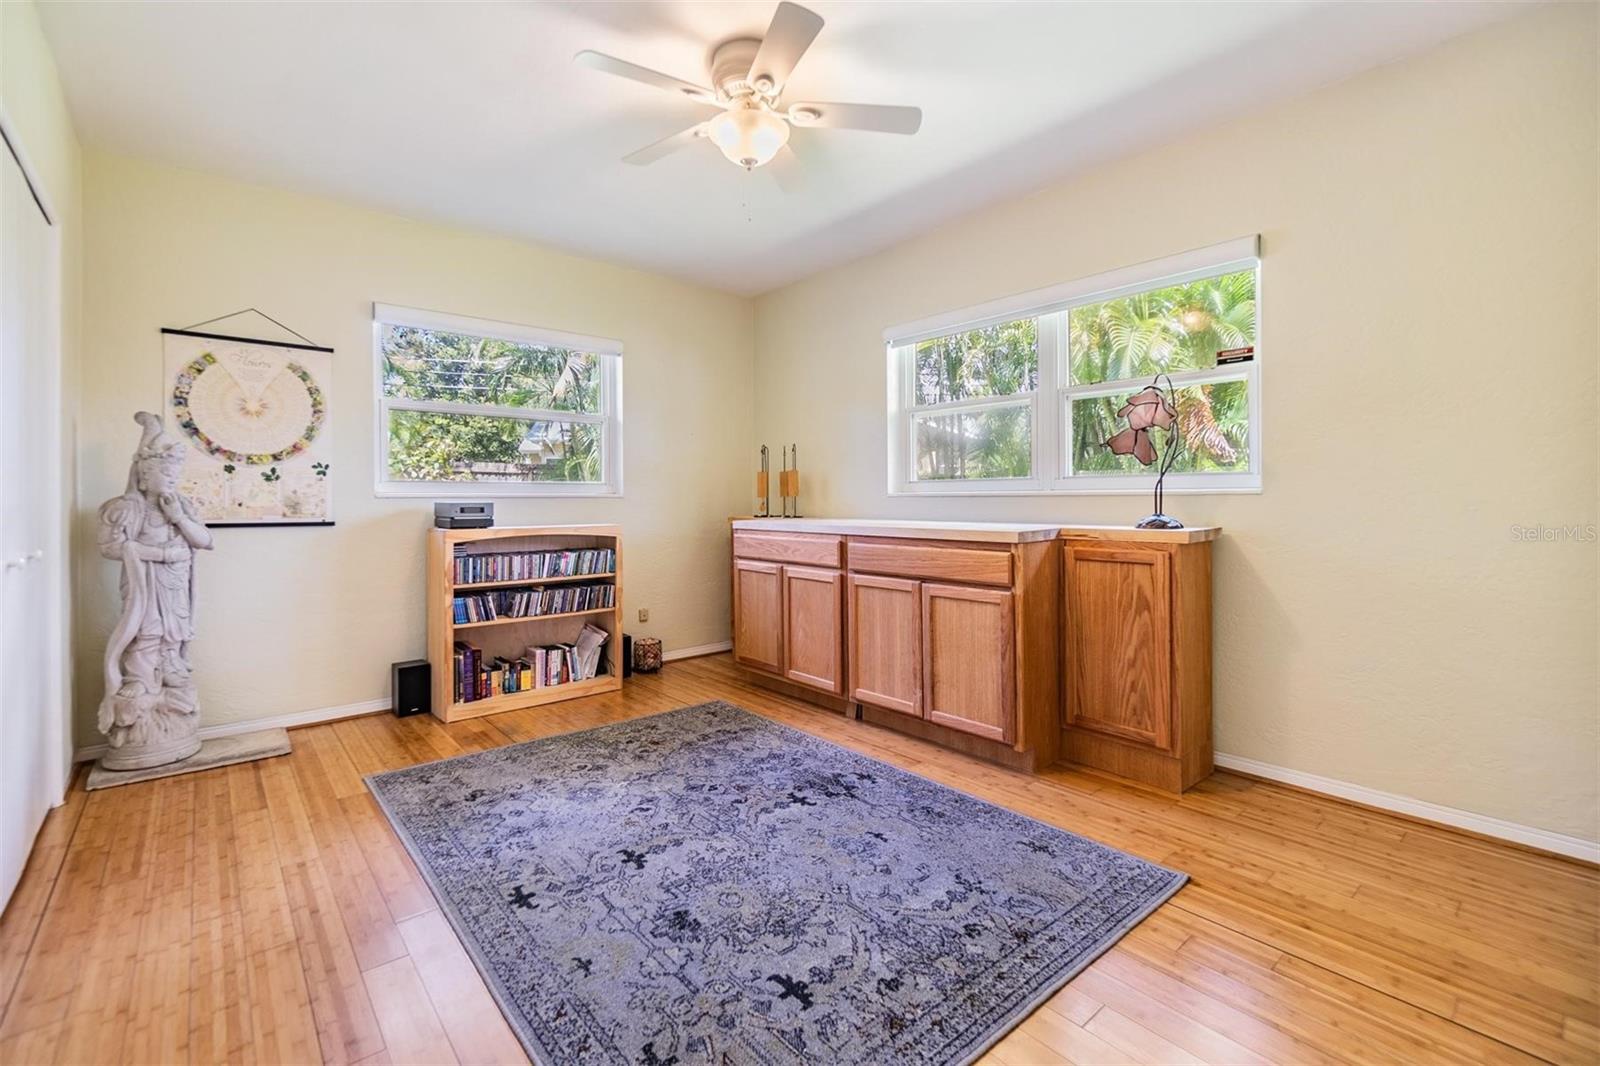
158	463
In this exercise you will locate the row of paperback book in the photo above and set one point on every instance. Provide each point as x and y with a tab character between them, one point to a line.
474	567
479	678
531	603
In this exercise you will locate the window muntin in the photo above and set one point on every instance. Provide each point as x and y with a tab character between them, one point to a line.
493	408
1095	343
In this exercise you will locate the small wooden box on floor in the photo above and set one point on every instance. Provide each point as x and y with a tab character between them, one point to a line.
1024	644
509	637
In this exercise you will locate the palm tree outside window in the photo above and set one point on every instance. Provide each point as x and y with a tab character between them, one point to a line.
1024	402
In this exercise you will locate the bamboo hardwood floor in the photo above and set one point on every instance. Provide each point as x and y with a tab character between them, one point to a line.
267	913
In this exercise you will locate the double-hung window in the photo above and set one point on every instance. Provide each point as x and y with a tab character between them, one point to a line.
468	405
1020	395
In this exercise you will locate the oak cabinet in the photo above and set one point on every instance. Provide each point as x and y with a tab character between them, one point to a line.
1020	644
1119	641
951	640
758	614
813	627
885	628
788	618
1138	659
968	660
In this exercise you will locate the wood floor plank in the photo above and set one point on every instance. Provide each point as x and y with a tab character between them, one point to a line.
367	920
412	1032
339	770
50	975
346	1027
282	1025
220	998
24	911
477	1030
1119	1030
268	913
1154	1014
397	877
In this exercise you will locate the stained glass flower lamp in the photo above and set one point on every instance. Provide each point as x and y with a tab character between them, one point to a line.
1149	408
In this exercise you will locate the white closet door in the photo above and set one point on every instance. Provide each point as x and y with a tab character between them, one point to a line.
31	715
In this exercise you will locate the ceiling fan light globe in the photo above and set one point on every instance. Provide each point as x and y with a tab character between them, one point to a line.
748	136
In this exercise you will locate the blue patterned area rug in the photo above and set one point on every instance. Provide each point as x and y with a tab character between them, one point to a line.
709	886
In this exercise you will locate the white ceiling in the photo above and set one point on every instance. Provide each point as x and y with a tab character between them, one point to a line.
474	114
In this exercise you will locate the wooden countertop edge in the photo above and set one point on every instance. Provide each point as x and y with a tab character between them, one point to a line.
977	531
1194	535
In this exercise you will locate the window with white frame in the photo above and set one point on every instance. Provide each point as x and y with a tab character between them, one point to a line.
494	408
1020	395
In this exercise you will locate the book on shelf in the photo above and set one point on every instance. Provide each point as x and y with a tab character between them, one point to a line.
531	603
472	568
540	666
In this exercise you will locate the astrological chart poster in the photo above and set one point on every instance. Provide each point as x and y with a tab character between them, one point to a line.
257	419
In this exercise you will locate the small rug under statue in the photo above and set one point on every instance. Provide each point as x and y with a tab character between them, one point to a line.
709	886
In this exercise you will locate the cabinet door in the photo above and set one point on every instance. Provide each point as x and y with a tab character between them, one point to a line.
758	614
1119	643
813	627
885	643
968	660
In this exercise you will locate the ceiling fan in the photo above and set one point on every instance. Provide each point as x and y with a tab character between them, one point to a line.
748	75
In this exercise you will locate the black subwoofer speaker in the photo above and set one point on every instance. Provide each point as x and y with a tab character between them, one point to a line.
411	685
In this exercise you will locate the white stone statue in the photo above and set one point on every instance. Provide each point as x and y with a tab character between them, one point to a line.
150	714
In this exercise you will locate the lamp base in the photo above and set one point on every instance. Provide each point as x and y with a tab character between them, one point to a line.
1158	521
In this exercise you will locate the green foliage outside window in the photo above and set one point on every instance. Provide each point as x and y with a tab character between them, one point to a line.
440	367
999	360
1165	331
993	361
995	442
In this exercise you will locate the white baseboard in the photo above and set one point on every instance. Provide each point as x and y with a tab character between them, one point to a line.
279	721
1543	839
350	710
697	650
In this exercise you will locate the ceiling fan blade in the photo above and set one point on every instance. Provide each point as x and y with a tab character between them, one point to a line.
623	69
665	146
881	118
792	30
787	171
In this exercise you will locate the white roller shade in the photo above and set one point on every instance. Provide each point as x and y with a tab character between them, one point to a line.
1169	270
417	318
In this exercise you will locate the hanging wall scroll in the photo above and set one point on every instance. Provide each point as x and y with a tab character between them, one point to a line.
257	419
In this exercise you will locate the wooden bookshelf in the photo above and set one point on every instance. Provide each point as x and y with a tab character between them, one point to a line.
509	637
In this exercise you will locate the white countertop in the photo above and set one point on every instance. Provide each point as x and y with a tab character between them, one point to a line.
995	532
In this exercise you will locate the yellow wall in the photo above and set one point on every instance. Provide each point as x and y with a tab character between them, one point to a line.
1428	309
35	107
299	619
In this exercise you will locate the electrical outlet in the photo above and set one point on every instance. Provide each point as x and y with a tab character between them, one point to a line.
644	614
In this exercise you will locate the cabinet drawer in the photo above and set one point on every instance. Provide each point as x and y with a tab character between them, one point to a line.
971	565
807	549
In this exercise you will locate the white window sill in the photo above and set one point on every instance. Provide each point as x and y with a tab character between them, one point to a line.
454	490
1242	485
